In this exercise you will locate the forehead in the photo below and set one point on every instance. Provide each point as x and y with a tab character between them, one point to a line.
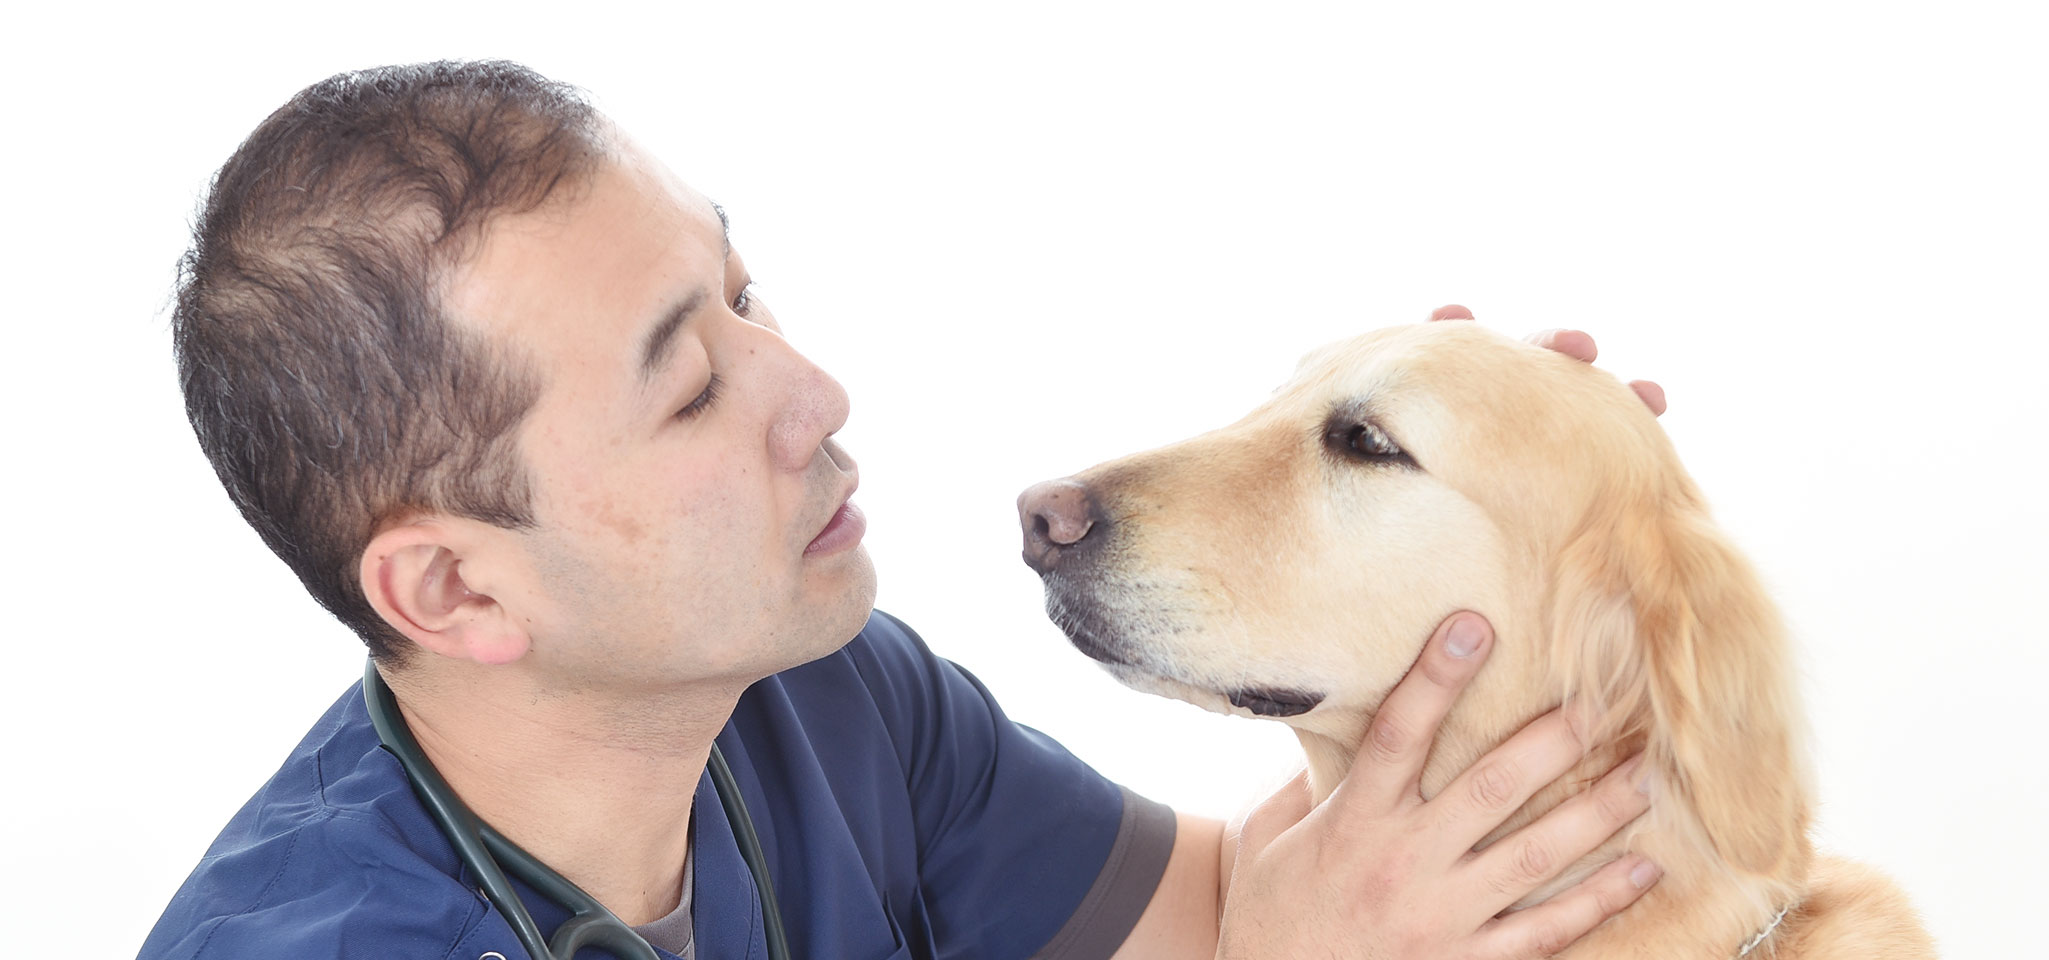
1448	381
1392	360
572	282
1458	388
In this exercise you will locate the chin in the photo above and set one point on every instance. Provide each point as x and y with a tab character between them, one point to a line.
841	605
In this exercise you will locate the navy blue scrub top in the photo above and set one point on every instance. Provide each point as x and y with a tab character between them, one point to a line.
902	815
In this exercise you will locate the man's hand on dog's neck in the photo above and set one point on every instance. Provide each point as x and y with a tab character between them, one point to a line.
1395	875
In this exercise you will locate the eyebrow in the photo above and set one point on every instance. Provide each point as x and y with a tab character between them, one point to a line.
725	229
654	348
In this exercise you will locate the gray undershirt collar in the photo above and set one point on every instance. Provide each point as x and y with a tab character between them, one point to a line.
674	932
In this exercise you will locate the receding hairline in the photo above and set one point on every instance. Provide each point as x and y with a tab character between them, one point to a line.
615	151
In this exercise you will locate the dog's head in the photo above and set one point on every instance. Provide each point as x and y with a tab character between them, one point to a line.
1293	564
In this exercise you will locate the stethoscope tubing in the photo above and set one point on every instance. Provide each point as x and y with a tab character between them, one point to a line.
728	790
482	849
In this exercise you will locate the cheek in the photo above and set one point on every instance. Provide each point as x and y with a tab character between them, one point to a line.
710	516
670	517
1366	585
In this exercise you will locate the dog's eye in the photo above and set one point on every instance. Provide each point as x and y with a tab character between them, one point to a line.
1368	440
1365	442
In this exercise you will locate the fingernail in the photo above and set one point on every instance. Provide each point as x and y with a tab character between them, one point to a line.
1644	874
1465	637
1646	782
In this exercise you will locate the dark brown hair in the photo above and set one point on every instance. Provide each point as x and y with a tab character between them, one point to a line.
326	385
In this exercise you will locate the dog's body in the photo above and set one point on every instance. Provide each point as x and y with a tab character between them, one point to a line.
1291	565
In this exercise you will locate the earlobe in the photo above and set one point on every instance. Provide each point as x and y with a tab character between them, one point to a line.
414	579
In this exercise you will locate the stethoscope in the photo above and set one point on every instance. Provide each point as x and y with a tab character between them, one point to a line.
484	850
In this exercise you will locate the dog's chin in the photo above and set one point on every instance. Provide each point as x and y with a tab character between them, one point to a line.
1105	635
1261	702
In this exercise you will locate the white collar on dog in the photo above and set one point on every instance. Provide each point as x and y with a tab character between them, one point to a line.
1761	934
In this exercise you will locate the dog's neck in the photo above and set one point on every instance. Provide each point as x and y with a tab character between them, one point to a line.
1648	616
1703	908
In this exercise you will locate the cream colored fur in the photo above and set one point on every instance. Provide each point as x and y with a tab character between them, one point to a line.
1547	498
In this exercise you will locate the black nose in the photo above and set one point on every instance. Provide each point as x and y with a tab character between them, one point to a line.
1056	515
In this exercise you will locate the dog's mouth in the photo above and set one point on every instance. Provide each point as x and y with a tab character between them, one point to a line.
1274	701
1104	638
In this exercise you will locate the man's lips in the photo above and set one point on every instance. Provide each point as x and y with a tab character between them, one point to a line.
841	532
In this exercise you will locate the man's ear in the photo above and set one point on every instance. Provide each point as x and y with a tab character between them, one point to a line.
414	576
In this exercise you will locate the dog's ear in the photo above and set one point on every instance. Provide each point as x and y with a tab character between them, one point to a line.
1662	627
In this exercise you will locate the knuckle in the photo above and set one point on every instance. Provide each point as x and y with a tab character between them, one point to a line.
1551	936
1611	897
1493	785
1579	723
1534	861
1388	740
1615	807
1507	886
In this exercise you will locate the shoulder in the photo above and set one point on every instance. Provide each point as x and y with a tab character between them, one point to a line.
332	857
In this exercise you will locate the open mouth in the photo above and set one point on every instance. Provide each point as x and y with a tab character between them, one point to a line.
1275	702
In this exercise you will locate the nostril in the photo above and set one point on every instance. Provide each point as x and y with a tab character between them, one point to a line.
1056	512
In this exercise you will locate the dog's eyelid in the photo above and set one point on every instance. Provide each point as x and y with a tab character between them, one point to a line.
1354	410
1350	423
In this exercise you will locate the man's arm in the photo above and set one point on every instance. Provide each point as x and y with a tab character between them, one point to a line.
1182	918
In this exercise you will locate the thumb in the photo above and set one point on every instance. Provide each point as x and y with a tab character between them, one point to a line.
1273	816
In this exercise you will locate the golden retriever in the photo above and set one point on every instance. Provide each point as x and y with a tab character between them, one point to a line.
1291	566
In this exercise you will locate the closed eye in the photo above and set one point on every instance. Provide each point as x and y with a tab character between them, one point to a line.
704	400
1360	440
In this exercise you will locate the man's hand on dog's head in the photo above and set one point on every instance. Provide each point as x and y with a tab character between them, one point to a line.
1378	871
1573	343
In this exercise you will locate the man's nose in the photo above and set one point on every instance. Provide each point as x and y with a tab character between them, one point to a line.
816	408
1056	516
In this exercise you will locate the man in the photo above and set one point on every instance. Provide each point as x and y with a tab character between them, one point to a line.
493	383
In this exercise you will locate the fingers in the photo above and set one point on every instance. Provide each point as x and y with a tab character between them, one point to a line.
1509	869
1481	798
1573	343
1579	346
1553	925
1451	311
1652	395
1390	761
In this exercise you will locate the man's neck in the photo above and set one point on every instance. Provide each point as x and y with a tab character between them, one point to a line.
598	788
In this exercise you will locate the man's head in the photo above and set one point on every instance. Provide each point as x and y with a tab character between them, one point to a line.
437	334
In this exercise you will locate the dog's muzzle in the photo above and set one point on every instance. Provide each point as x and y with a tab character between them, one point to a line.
1058	517
1066	539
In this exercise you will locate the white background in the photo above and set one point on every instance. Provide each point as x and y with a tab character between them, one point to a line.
1031	237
